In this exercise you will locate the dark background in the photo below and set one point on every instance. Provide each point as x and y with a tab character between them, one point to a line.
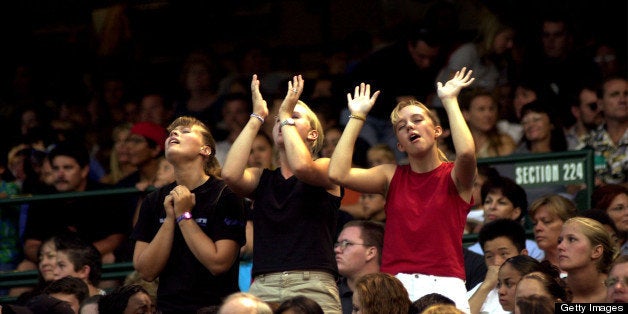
59	38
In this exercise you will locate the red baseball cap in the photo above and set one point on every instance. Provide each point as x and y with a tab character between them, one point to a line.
152	131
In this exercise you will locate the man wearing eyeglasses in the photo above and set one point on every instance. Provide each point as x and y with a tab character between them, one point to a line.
588	117
617	281
358	253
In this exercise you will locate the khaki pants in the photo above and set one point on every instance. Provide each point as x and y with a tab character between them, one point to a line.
319	286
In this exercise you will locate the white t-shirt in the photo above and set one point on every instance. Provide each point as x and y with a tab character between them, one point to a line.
491	303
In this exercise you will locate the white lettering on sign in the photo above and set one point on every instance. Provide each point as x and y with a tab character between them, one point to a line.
560	173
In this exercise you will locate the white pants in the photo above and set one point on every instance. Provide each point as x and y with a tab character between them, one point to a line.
419	285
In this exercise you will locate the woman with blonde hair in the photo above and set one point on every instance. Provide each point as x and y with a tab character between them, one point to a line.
548	213
294	206
428	199
585	252
487	55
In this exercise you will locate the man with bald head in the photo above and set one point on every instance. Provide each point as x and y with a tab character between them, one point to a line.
244	303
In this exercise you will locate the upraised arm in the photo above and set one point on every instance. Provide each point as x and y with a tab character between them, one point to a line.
465	165
244	180
373	180
296	152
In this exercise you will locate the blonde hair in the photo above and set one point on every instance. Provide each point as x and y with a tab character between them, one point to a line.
490	26
442	309
597	235
394	119
211	165
316	125
114	164
556	204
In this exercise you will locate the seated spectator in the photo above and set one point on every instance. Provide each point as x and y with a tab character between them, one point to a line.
90	305
542	283
358	252
150	286
617	282
542	130
613	199
480	111
119	160
442	309
156	108
422	303
244	303
235	114
299	305
511	271
586	254
475	217
608	140
45	303
46	264
503	198
380	154
9	221
500	239
488	56
79	259
262	152
145	144
538	304
98	220
548	213
372	207
69	289
587	115
380	293
126	299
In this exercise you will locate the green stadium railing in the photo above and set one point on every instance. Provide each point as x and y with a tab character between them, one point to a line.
114	271
571	167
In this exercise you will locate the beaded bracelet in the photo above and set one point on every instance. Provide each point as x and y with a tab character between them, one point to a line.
355	116
258	117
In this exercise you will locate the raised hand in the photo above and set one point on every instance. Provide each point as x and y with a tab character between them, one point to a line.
454	85
362	101
259	104
295	88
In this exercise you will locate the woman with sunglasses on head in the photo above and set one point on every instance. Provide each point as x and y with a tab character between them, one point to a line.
428	200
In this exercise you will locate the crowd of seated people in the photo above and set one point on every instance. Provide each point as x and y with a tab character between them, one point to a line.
548	97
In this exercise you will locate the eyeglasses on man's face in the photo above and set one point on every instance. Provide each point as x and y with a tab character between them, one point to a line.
345	243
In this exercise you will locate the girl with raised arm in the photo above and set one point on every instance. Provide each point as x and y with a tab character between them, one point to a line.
427	201
294	206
